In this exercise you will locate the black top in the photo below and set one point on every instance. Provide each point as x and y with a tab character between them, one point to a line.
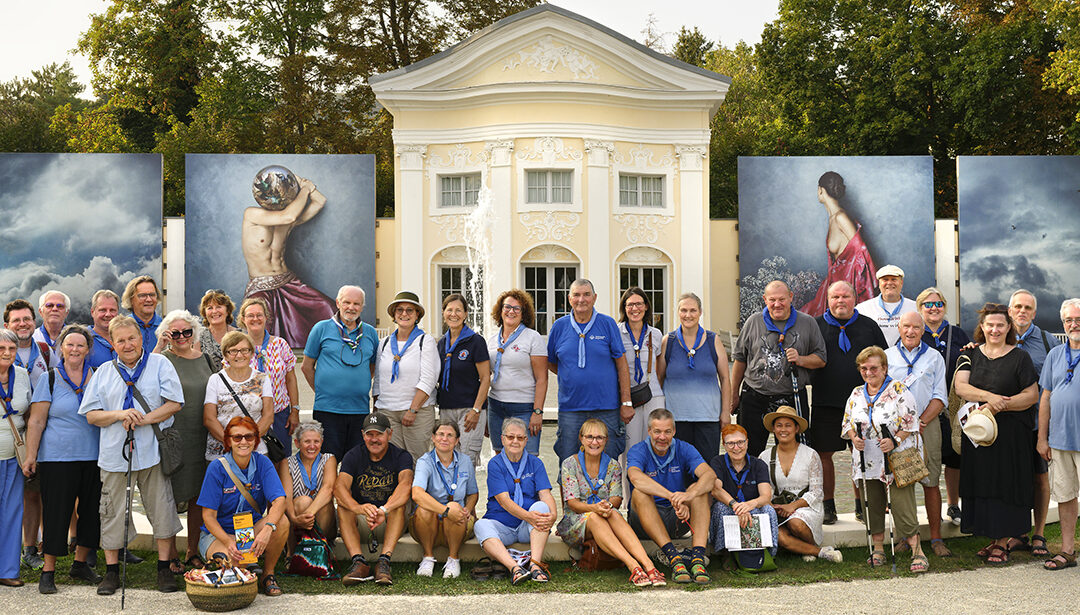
950	345
374	481
464	382
1006	375
759	473
834	382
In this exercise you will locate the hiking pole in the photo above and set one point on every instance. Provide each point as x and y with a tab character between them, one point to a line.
127	453
798	402
888	499
865	502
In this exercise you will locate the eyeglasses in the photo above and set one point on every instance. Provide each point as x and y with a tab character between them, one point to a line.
735	443
594	438
146	296
185	333
58	306
869	369
239	352
520	438
1071	321
635	305
511	308
404	310
933	304
242	437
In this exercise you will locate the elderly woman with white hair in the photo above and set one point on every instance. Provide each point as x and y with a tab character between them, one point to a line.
15	394
308	478
177	335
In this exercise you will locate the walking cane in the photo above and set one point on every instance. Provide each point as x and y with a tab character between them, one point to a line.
127	453
888	498
801	438
866	503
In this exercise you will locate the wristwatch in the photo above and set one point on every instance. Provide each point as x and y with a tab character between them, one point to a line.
447	511
628	404
273	526
539	411
383	509
476	410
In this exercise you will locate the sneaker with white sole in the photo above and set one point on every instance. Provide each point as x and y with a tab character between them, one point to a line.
427	567
831	554
451	569
954	514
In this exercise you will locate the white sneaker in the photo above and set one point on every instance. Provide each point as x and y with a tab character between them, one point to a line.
831	554
809	558
451	569
427	566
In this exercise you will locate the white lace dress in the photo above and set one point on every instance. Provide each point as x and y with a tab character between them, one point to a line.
805	472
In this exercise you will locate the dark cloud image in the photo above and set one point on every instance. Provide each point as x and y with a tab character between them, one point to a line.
1018	221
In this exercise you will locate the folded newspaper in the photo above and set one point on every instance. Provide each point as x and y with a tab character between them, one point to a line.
757	535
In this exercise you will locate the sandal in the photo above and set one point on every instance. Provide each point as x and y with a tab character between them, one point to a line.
175	566
902	547
919	563
499	572
195	562
269	586
1022	544
985	551
877	558
1038	546
937	545
998	556
520	576
481	570
539	571
1060	561
639	579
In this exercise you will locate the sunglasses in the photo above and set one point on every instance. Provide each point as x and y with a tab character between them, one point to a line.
58	306
242	437
185	333
933	304
239	352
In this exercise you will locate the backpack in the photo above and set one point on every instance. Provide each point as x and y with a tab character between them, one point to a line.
313	556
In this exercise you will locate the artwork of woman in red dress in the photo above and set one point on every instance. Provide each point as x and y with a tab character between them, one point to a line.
849	258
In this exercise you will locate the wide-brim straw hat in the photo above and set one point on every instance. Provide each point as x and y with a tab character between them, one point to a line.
981	427
405	297
785	412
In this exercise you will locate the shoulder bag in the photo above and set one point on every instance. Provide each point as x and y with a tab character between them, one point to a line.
641	393
784	496
169	440
274	448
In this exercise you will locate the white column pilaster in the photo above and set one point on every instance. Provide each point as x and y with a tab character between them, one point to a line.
597	265
693	221
504	268
410	213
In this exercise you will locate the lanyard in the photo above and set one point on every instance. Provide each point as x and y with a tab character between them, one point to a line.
450	486
771	326
638	372
309	479
669	457
690	352
870	402
594	497
130	379
394	369
353	344
739	481
519	499
465	334
247	477
82	383
911	362
502	349
892	314
581	337
845	341
9	392
1072	363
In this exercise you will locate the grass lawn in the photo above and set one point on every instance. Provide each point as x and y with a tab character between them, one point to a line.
567	579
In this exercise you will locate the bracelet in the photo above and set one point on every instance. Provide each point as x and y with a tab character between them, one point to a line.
383	509
272	526
476	410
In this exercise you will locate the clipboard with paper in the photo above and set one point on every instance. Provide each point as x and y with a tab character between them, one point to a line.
757	535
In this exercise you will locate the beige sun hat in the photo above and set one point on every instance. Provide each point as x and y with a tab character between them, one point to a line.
981	426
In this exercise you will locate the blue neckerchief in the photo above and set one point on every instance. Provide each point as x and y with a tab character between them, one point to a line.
451	487
415	333
8	393
1072	363
870	402
739	481
130	379
581	337
309	479
105	343
639	373
918	355
892	314
260	354
937	334
145	325
690	352
1023	338
594	497
48	338
465	334
502	348
845	341
771	326
34	354
353	344
516	475
82	383
246	477
668	458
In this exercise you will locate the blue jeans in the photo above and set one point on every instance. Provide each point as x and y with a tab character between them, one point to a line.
500	411
566	438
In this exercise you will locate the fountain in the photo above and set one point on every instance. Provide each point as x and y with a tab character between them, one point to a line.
477	287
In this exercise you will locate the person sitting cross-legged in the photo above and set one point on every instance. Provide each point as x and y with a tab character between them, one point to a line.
520	507
667	500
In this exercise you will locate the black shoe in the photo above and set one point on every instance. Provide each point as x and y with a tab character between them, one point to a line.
84	573
166	581
130	557
109	584
47	583
830	514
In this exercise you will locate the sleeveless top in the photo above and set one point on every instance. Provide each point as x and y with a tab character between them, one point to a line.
297	473
692	394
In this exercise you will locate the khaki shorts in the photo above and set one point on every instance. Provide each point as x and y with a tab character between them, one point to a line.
416	438
1064	475
440	535
932	449
156	494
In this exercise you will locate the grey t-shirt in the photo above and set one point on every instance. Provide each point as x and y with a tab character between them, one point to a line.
657	337
516	383
767	371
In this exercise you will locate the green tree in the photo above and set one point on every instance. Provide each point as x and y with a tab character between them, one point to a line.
1063	73
27	107
691	46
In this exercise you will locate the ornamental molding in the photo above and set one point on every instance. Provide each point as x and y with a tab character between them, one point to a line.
412	155
599	151
546	56
458	158
550	225
454	254
643	228
451	226
548	150
643	254
643	158
549	253
691	157
499	152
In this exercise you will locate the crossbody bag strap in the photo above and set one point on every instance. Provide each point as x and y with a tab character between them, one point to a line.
772	467
239	485
15	433
648	345
142	401
235	397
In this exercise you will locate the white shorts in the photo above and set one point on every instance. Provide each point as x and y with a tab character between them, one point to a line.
1064	475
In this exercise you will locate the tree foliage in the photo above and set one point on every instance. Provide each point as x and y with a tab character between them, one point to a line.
691	46
27	107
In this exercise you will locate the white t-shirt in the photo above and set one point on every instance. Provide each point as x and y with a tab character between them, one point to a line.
657	338
250	391
890	325
516	383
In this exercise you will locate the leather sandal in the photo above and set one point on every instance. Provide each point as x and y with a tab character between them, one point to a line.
1038	546
998	556
877	558
1060	561
937	545
268	585
919	563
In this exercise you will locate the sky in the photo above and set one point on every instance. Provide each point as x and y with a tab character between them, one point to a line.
46	31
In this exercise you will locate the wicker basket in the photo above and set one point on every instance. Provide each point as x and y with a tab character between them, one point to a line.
220	598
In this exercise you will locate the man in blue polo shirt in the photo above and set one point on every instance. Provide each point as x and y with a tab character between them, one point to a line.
141	297
104	306
339	360
585	352
666	501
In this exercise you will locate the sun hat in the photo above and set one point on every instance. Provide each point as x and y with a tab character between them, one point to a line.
785	412
981	426
405	297
890	270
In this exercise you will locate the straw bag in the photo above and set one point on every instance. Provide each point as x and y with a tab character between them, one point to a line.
907	466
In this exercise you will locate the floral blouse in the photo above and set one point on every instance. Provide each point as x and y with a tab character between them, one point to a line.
895	409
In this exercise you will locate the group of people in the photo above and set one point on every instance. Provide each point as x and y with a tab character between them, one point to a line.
399	425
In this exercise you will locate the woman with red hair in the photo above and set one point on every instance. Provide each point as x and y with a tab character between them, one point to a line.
244	481
741	489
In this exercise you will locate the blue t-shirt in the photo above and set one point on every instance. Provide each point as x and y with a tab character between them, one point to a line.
676	475
596	386
342	375
149	334
464	381
534	479
459	473
67	436
1064	432
101	352
219	492
1035	342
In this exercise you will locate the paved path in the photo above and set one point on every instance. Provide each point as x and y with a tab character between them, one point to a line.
980	591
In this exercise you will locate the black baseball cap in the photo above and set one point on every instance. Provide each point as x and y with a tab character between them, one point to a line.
377	421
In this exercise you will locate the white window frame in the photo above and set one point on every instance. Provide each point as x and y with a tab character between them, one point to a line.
477	314
659	307
464	177
555	310
667	176
549	186
522	198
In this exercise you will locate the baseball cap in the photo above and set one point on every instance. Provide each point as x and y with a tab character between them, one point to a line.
376	421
